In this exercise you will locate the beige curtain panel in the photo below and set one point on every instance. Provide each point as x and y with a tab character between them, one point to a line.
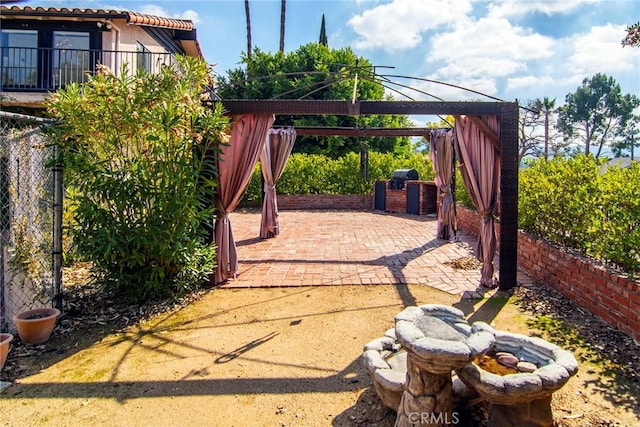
273	159
477	147
441	154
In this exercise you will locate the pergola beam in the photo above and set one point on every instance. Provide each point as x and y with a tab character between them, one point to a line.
347	108
360	132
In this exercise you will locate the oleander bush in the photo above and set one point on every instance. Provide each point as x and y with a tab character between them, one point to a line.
132	148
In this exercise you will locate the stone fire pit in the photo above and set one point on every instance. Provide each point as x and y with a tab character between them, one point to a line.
437	340
522	399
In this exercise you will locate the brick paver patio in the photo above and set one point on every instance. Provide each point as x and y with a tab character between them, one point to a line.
350	248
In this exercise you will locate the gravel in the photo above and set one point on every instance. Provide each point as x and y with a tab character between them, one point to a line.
599	341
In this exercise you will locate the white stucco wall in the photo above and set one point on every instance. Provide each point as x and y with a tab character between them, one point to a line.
129	36
124	38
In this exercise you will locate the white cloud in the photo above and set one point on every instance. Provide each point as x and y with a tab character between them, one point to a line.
191	15
486	48
489	66
152	9
508	8
575	58
589	49
526	82
400	24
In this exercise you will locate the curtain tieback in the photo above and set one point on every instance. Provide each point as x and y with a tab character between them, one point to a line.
270	189
486	216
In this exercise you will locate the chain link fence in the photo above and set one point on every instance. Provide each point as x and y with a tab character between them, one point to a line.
30	219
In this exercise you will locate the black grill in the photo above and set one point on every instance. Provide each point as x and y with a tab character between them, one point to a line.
400	176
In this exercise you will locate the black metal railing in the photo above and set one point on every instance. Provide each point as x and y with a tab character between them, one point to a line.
42	69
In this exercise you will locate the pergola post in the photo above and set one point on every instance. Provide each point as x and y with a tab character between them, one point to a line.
508	269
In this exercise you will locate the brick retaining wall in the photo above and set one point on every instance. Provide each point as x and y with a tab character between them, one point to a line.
360	202
612	297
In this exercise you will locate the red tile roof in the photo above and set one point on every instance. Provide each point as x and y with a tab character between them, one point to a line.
131	17
159	21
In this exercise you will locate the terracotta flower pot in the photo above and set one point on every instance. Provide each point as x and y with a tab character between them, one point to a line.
35	326
5	339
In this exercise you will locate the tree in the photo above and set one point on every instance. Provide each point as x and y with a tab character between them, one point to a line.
283	14
133	149
445	122
596	112
247	14
314	71
629	139
547	106
530	123
323	33
534	129
633	36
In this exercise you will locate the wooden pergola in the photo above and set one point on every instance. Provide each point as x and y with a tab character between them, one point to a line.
508	144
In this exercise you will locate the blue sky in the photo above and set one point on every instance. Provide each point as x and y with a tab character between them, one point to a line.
510	49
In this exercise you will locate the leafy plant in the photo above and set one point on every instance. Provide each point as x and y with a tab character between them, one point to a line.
575	203
137	151
318	174
618	238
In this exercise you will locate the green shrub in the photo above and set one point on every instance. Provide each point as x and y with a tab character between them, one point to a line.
618	238
560	199
317	174
570	202
132	151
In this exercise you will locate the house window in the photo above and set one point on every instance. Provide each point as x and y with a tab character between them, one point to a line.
70	57
143	60
44	55
19	58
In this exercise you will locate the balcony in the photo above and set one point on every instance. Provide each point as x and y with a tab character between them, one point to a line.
24	70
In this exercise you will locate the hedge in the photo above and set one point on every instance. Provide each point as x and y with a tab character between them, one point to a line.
578	203
317	174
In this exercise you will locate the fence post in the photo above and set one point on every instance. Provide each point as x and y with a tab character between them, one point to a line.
57	227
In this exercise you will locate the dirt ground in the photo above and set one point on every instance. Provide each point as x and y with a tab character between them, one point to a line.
263	357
